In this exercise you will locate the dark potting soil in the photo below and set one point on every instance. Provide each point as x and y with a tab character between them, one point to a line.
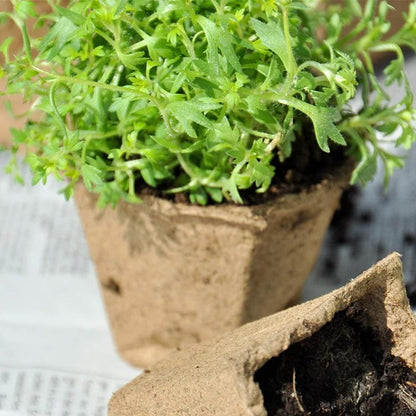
341	370
307	166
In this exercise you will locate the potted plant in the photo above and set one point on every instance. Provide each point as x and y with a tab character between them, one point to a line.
231	122
351	352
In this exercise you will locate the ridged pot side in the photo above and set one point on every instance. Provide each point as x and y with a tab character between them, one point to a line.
176	274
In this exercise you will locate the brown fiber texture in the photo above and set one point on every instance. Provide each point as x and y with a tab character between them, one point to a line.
217	378
175	274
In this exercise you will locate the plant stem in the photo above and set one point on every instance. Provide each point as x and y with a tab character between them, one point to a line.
95	84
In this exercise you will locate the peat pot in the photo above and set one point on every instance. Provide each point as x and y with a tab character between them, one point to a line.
174	274
351	352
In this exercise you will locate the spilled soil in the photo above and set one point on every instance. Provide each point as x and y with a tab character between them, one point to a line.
341	370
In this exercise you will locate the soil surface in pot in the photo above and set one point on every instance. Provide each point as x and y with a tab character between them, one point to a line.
306	167
341	370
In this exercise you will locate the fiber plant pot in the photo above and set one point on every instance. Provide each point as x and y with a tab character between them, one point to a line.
174	274
351	352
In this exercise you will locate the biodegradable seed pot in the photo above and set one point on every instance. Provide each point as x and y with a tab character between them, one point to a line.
173	274
351	352
214	116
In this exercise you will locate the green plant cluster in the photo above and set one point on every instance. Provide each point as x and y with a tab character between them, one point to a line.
204	96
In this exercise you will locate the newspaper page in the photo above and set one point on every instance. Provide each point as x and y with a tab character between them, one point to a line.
56	353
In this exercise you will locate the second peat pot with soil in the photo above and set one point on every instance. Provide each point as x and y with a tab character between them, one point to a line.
219	134
351	352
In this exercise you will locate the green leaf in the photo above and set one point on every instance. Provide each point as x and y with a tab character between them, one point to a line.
323	119
208	87
121	6
68	191
230	188
272	36
215	194
219	39
198	196
391	163
148	175
167	142
407	137
25	8
4	48
91	176
298	5
394	71
365	170
186	113
199	96
257	108
60	34
306	80
73	17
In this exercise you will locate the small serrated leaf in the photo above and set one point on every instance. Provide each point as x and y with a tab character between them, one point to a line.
365	170
230	188
186	113
90	175
323	119
219	39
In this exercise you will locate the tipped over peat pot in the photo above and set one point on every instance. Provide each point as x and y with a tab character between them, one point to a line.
174	274
350	352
